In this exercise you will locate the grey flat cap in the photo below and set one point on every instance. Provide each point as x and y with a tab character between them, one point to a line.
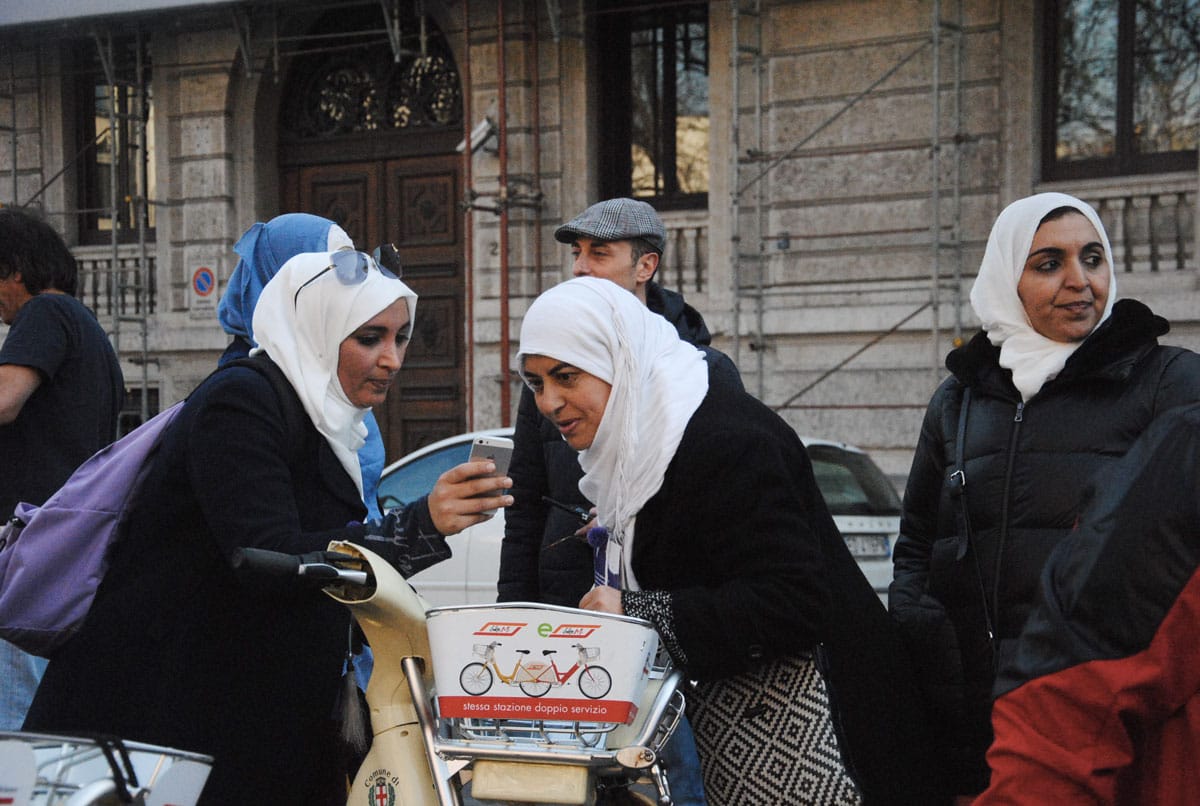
616	220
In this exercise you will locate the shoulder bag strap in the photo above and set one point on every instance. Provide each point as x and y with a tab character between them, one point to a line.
958	491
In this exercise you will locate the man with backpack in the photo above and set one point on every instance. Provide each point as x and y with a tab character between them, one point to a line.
61	391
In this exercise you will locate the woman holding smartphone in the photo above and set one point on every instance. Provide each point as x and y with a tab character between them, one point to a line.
181	651
718	535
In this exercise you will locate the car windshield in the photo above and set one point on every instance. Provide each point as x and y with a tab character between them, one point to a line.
415	479
851	483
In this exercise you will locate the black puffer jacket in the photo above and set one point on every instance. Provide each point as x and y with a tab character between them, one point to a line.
1027	466
534	566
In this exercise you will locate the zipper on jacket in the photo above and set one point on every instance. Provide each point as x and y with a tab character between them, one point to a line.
1018	418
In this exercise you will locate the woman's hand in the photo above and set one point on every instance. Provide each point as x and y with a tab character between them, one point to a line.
603	600
452	504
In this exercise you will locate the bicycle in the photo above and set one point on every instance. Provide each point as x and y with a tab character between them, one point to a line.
418	756
594	681
421	757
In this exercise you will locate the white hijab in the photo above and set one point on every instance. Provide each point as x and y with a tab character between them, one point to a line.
658	381
302	331
1033	358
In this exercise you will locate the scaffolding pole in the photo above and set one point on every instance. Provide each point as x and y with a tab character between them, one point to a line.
136	201
747	54
941	29
939	241
11	128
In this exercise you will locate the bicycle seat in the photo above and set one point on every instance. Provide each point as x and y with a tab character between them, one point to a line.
549	651
522	651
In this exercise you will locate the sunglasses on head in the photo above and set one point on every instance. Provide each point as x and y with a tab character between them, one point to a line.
350	268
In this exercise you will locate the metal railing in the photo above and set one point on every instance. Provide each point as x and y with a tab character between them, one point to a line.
115	291
684	267
1152	229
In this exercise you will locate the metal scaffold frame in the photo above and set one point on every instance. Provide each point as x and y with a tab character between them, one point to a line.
120	283
945	239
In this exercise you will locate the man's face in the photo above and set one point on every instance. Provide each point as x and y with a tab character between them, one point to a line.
613	261
13	295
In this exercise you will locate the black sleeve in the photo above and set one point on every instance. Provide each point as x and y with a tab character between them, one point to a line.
405	537
1179	384
40	338
251	453
721	370
920	515
525	520
745	515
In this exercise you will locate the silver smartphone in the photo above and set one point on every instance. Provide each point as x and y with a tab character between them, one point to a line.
498	450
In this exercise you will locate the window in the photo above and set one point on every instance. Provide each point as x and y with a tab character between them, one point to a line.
654	130
110	117
414	479
1123	84
131	412
349	80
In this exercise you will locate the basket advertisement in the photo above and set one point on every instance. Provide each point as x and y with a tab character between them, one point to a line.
525	661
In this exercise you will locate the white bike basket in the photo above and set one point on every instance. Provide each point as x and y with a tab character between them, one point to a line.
518	666
38	769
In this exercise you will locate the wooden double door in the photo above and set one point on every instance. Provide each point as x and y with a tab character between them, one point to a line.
413	203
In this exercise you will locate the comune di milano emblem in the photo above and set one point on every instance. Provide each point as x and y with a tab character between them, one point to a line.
381	791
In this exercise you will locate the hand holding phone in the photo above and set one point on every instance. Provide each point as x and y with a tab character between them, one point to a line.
498	450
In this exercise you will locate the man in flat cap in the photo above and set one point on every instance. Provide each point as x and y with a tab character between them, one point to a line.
621	240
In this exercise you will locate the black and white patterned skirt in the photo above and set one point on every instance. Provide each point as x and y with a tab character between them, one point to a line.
766	737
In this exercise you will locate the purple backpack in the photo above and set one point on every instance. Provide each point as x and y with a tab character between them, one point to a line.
53	557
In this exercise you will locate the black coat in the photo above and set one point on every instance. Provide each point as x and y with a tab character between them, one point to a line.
534	566
1027	467
180	651
1109	659
740	535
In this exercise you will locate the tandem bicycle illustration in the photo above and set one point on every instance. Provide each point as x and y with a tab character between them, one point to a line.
535	678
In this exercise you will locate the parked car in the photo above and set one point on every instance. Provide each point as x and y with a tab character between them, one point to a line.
862	500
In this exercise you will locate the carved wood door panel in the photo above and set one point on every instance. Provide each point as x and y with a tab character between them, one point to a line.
424	223
413	204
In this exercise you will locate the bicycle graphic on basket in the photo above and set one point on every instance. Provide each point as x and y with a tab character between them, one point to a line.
538	677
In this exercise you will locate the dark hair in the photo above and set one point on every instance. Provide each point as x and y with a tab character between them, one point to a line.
641	246
36	250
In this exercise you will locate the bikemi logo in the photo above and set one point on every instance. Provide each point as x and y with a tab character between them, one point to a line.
567	630
502	628
380	790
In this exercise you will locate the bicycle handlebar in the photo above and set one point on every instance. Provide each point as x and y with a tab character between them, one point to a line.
279	564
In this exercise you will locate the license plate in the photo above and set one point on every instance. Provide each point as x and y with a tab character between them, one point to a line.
864	546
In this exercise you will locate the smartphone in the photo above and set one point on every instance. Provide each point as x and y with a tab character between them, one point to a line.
498	450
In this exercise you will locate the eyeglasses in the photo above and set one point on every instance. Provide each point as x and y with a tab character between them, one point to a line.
388	257
350	267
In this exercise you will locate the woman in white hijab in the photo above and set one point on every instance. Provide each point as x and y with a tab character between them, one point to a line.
716	533
181	652
1053	390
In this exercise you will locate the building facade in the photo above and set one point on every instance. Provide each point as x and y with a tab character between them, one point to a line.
828	170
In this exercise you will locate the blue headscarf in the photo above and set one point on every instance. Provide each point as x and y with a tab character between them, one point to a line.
263	249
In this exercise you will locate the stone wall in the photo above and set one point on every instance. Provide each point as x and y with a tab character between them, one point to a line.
841	216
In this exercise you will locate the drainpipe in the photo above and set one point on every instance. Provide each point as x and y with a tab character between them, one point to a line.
502	113
468	223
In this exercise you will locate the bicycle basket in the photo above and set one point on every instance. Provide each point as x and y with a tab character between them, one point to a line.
513	686
589	652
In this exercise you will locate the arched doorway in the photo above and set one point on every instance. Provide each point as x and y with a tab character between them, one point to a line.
369	142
